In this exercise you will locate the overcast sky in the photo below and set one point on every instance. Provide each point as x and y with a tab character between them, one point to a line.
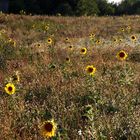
116	1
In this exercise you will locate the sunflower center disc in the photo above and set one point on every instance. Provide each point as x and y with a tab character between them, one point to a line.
10	88
90	70
48	127
122	54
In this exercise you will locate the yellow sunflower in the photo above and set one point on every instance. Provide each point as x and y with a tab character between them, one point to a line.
15	78
67	40
10	88
90	69
120	40
122	29
122	55
53	66
92	35
49	41
133	38
83	50
67	59
128	28
70	47
46	27
38	45
12	42
48	129
98	42
114	40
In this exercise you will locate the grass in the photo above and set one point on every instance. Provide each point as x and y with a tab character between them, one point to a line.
103	107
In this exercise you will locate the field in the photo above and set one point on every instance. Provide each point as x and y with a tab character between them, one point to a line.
82	72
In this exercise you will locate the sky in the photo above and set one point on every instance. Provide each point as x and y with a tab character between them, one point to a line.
116	1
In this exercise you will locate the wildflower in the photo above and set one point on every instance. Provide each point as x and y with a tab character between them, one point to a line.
90	69
120	40
121	55
49	41
98	42
67	39
114	40
133	38
10	88
15	78
53	66
70	47
122	29
83	50
3	31
38	45
80	132
48	129
92	35
46	27
12	42
128	27
67	59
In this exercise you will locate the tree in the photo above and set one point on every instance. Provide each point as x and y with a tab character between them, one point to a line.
4	4
16	5
64	9
105	8
32	6
47	6
87	7
127	7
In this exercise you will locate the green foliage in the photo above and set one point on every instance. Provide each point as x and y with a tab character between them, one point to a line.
73	7
64	8
31	6
89	7
105	8
16	6
129	7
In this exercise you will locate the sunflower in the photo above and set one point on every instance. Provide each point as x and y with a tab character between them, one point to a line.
46	27
67	59
92	35
67	40
90	69
133	38
114	39
128	28
83	50
53	66
48	129
122	29
15	77
12	42
70	47
38	45
10	88
49	41
98	42
120	40
121	55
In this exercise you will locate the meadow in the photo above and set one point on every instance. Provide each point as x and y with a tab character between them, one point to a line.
79	75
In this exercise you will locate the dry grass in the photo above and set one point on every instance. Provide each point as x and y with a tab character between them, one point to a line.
103	107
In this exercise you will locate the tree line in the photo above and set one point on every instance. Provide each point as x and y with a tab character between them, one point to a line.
74	7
